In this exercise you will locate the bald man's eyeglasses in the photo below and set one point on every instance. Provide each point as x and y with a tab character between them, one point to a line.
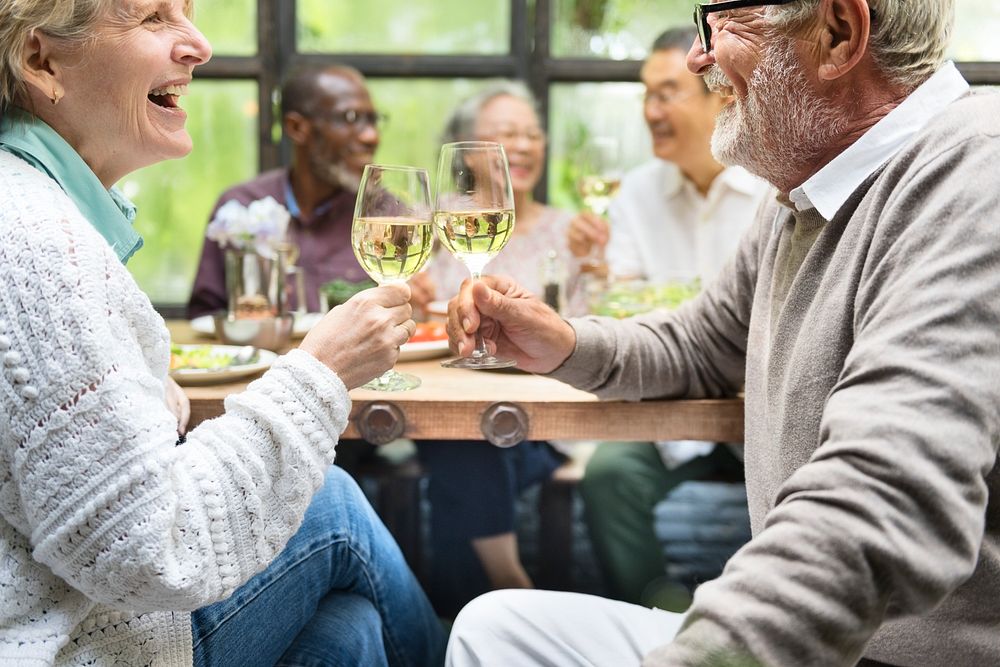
355	119
702	10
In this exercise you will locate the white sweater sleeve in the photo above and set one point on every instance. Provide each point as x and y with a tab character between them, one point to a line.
90	466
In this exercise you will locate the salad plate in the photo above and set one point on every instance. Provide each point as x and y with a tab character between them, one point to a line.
214	364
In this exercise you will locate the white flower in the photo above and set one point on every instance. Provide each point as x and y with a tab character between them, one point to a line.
259	227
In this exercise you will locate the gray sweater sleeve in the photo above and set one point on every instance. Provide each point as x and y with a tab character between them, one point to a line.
886	518
697	351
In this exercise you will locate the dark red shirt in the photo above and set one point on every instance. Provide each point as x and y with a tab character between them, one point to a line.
324	243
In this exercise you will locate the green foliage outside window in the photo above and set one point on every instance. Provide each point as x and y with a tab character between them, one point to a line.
174	198
231	25
616	29
403	26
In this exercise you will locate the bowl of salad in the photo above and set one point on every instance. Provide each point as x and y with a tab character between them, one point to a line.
631	297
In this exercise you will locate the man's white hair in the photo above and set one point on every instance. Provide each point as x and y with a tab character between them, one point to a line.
908	38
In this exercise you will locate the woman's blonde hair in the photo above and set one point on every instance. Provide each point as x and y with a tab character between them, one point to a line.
908	38
72	21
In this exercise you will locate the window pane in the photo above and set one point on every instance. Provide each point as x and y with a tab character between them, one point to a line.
618	29
976	25
402	26
575	118
174	198
417	109
230	25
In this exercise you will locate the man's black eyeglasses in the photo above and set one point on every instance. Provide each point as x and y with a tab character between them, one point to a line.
702	10
356	119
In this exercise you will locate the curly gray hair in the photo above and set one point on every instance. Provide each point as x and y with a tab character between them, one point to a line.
908	39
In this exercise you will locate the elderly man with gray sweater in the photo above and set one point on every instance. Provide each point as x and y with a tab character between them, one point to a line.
862	314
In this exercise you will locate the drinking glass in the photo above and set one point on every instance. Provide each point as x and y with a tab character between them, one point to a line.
474	218
599	182
392	237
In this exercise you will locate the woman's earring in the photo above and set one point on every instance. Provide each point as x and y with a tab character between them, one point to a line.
55	96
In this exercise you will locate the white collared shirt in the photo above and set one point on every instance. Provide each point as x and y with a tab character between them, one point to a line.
831	186
662	228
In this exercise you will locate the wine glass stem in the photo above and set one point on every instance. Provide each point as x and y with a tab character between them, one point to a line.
595	257
480	350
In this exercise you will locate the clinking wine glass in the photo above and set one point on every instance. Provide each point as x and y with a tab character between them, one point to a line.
600	165
392	237
474	218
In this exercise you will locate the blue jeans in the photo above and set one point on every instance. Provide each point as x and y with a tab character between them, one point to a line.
339	594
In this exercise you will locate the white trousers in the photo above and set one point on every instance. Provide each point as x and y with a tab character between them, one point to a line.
522	628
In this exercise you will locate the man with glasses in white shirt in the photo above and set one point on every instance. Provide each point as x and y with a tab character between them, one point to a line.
860	312
679	216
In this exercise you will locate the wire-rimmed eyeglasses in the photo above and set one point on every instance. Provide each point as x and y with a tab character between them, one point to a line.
356	119
703	9
661	99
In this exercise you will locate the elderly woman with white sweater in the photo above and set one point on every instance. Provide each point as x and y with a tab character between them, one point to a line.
241	546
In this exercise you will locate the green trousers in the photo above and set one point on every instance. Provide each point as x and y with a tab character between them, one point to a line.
622	484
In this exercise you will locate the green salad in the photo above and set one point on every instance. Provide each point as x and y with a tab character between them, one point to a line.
338	291
624	299
200	357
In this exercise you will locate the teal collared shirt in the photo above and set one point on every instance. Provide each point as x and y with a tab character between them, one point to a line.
109	211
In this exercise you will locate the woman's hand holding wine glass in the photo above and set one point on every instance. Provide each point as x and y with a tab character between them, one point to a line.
392	237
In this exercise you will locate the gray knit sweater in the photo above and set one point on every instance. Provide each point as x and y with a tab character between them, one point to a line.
870	351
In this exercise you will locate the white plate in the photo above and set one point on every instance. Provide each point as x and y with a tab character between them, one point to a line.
205	325
423	350
198	376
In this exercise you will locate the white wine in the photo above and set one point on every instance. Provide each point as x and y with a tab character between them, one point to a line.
474	237
392	250
597	192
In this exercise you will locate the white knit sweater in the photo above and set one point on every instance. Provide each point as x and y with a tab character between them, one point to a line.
109	533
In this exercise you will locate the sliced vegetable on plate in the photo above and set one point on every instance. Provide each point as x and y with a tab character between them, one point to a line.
427	331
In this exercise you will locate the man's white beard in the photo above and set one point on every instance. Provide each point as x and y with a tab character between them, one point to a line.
781	127
347	179
335	174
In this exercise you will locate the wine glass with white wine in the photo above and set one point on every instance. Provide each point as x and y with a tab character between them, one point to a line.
474	217
599	183
392	237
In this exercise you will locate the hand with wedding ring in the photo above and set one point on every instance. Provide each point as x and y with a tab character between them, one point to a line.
360	339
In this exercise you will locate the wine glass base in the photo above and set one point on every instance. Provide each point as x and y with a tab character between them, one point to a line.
485	362
393	381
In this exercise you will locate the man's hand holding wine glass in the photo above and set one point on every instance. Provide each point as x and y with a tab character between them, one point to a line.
513	323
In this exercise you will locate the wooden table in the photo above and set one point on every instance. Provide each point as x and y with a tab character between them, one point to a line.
505	407
454	404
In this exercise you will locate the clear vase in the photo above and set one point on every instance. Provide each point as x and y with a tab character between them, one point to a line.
255	284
